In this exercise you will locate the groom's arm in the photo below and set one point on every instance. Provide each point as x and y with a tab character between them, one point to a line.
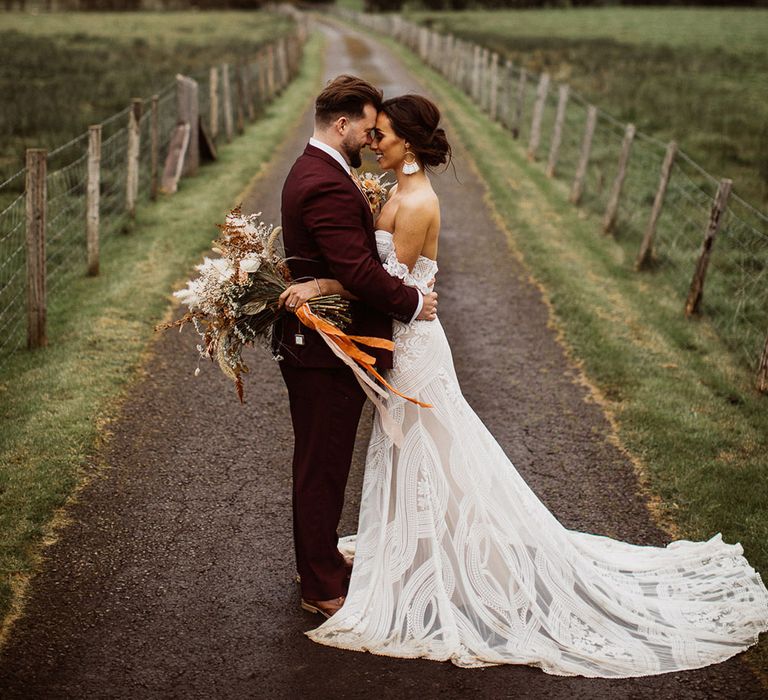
331	213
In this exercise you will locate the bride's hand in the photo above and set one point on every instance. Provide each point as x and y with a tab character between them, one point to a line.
298	294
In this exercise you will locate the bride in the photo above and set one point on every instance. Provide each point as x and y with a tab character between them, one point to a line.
456	558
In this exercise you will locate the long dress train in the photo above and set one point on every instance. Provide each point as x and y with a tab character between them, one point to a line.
457	559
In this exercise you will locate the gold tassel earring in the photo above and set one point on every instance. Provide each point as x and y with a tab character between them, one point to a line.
410	164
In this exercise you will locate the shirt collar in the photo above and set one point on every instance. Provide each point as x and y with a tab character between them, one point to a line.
331	151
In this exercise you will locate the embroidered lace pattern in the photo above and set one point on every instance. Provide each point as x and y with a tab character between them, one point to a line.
457	559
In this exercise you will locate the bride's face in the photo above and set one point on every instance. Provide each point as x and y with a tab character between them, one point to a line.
387	145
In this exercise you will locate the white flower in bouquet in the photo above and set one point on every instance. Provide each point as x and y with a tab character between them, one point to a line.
207	292
250	263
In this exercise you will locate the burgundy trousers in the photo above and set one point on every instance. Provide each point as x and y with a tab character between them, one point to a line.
325	409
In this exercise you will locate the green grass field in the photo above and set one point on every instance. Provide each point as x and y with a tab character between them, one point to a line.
682	403
60	72
691	74
56	404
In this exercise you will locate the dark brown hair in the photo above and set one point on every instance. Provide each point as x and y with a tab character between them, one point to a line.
415	119
345	96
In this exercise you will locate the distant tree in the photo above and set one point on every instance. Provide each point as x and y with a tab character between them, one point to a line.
383	5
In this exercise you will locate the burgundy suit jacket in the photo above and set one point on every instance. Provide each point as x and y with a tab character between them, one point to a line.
328	233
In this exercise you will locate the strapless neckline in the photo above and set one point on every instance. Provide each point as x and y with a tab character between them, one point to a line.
391	236
423	270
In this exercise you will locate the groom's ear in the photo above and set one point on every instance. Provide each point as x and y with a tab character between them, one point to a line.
341	124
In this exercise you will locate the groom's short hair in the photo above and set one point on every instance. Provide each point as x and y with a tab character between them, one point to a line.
345	96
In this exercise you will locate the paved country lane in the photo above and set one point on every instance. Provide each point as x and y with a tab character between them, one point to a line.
174	579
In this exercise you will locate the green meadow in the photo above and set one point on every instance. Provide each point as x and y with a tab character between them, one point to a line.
696	75
60	72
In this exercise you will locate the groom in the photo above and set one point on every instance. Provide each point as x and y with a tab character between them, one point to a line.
328	233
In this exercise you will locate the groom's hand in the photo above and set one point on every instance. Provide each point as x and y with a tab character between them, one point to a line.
429	309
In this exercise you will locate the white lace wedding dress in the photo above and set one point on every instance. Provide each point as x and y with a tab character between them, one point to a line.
457	559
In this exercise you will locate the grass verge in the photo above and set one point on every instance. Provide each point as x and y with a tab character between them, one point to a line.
681	404
56	404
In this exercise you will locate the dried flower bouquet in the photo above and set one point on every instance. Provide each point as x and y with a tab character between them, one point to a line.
234	300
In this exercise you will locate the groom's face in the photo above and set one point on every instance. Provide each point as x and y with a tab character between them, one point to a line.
357	135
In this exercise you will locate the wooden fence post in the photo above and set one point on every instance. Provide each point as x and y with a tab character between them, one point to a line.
577	188
154	145
281	69
248	108
693	302
485	69
239	100
270	71
188	110
538	113
261	62
226	95
645	256
611	211
133	151
92	196
461	65
452	54
213	92
36	195
522	83
437	46
762	370
494	96
557	131
505	101
290	49
288	53
475	93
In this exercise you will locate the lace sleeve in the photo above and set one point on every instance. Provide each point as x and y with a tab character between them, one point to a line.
418	277
397	269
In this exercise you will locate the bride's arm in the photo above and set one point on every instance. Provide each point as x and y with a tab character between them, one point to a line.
299	293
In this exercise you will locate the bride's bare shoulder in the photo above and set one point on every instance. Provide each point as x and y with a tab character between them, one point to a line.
423	198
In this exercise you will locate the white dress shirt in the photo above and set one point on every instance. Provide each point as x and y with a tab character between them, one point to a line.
331	151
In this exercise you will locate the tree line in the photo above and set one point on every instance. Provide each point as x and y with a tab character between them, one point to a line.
396	5
369	5
131	5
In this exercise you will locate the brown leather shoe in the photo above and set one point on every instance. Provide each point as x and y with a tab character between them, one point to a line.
326	608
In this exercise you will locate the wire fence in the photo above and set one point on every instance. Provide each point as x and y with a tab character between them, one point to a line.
735	299
12	266
65	207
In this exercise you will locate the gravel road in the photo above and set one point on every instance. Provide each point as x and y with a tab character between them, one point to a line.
174	578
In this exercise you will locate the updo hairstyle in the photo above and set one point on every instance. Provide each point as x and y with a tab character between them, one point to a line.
415	119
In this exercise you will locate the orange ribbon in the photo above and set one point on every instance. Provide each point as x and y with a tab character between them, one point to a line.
347	345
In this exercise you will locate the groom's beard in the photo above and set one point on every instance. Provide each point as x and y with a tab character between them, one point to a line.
352	152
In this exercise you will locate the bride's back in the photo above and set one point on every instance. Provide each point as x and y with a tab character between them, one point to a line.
412	215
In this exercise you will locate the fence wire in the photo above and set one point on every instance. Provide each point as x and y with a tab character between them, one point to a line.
735	298
66	188
13	288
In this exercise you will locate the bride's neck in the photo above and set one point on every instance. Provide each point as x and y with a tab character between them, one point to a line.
406	183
